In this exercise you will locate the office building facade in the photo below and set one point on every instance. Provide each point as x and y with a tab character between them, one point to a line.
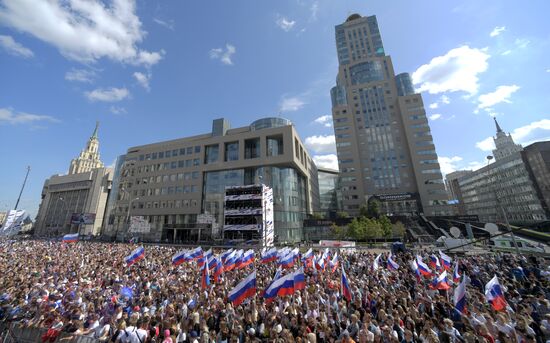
176	184
383	139
536	157
83	191
503	190
330	195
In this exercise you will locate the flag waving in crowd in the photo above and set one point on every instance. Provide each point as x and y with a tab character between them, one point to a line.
136	255
244	290
494	294
445	260
70	238
345	289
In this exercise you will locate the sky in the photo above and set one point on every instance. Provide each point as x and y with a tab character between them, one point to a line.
155	70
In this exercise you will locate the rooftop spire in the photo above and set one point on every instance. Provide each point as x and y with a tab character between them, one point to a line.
94	135
498	126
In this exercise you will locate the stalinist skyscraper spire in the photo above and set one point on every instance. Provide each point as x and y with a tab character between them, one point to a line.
89	156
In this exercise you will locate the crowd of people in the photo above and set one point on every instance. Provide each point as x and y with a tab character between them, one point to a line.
88	289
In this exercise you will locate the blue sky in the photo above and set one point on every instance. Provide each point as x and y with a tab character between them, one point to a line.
157	70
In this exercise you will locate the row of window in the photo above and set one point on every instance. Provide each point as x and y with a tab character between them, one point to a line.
166	178
168	165
170	153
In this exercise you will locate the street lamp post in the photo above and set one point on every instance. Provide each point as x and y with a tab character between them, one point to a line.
499	204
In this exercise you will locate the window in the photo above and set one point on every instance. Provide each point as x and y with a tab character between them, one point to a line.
182	151
188	163
195	175
417	116
168	154
424	143
426	152
196	162
181	164
211	153
174	165
197	149
275	146
161	154
189	150
231	151
154	156
174	152
252	148
428	162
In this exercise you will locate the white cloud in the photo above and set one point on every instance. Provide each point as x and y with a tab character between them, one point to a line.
14	48
80	75
321	143
548	70
444	99
525	135
522	43
117	110
507	52
167	24
291	104
108	95
314	9
448	164
9	116
435	116
223	56
457	70
501	94
143	79
486	145
325	120
497	31
284	23
434	105
83	30
329	161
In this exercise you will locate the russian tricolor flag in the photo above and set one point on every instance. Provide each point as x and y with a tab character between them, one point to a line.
229	262
70	238
334	263
205	275
287	261
414	267
307	258
459	298
179	258
456	275
218	270
212	262
392	265
248	258
434	262
270	255
194	254
441	282
135	256
445	260
245	289
299	279
204	257
494	294
346	290
320	264
423	268
225	254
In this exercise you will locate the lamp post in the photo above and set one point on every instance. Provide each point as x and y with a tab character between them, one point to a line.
502	209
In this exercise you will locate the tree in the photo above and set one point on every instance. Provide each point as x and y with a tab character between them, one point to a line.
338	232
373	208
373	228
342	214
399	230
356	229
318	216
364	211
386	226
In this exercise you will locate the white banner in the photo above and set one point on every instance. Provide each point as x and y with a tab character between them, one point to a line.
13	222
139	224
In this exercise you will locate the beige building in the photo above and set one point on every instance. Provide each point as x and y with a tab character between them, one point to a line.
84	192
177	186
383	139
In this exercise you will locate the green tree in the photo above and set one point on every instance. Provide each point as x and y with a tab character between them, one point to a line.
386	226
338	232
399	230
364	211
356	229
342	214
373	209
318	216
373	228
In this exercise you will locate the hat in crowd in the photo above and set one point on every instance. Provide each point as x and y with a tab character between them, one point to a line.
251	331
193	334
278	328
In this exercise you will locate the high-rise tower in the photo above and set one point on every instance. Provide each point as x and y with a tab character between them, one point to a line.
89	157
504	144
383	139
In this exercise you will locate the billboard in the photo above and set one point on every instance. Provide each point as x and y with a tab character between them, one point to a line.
139	224
13	222
82	218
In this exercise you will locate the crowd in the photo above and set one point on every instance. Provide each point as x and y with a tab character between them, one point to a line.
88	289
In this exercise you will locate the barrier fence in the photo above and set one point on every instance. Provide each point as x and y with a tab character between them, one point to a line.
19	333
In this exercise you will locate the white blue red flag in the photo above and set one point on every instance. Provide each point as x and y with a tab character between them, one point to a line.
456	275
376	263
193	254
445	260
392	265
238	258
320	263
414	267
245	289
205	275
434	262
287	261
179	258
70	238
136	255
247	259
423	268
225	254
229	262
441	282
218	270
299	279
495	295
346	290
270	255
459	298
334	263
205	256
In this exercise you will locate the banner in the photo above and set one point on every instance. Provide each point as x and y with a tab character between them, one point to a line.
13	222
82	218
139	224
